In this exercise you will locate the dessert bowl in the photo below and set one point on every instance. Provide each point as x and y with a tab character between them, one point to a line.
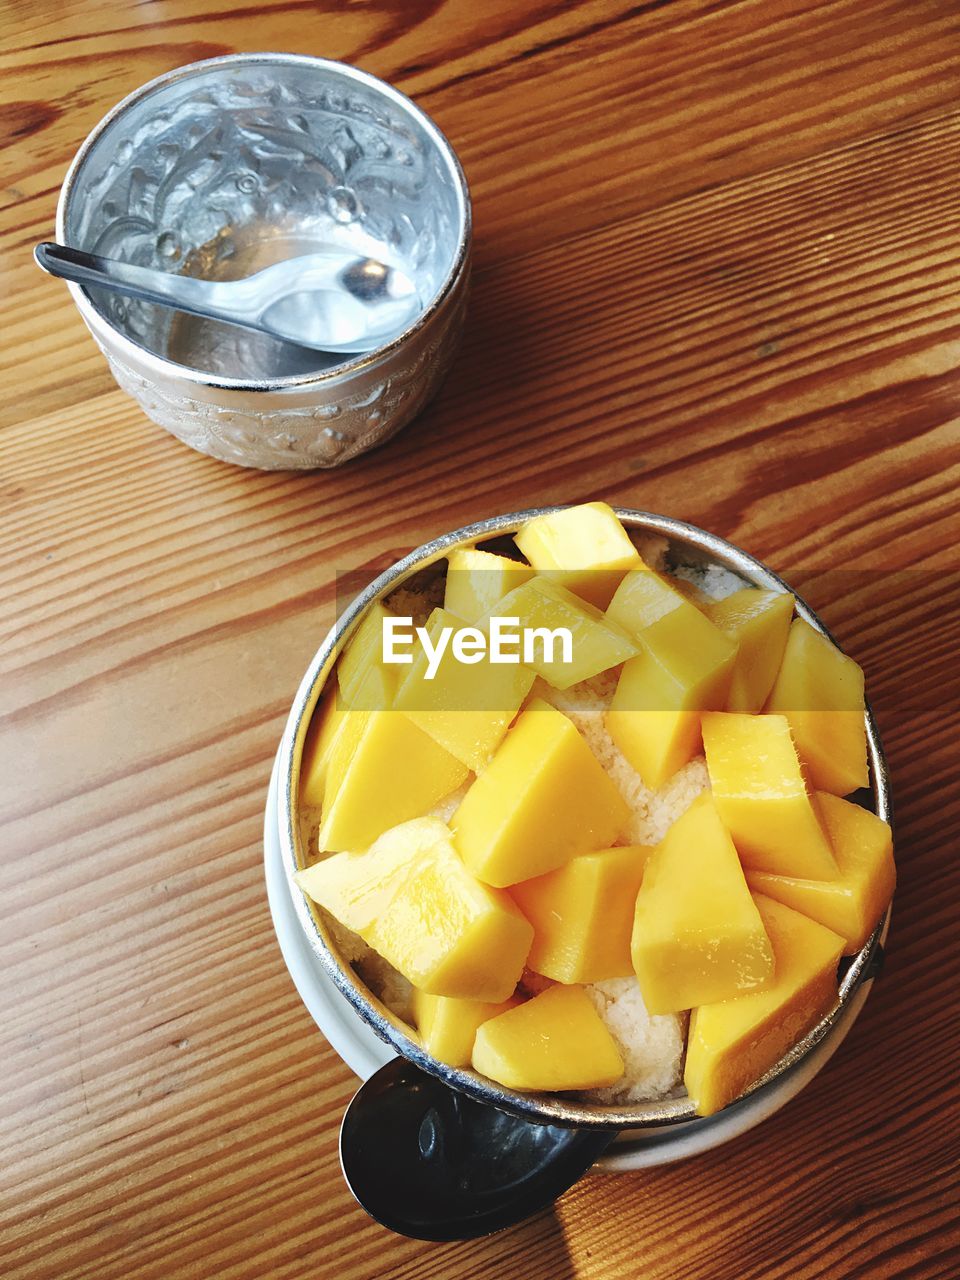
223	167
688	547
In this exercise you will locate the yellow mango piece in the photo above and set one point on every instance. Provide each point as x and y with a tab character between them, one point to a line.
644	597
543	799
414	902
328	721
357	888
332	727
733	1043
586	549
478	580
452	935
557	1040
596	646
684	666
382	771
852	903
466	708
582	915
697	935
820	691
759	790
759	621
448	1027
366	681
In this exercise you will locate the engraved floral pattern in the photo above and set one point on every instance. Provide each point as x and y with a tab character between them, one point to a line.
209	170
277	438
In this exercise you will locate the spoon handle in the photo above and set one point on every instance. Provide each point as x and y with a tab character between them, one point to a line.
182	292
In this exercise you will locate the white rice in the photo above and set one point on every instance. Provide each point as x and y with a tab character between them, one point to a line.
652	1045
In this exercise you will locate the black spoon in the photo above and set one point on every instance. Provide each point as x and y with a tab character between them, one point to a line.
431	1163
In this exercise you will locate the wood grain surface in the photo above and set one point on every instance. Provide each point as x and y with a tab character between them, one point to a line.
718	276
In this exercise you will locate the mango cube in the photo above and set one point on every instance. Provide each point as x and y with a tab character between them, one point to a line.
543	799
644	597
684	666
759	621
596	646
732	1044
697	935
478	580
466	708
382	771
371	685
452	935
760	793
448	1027
582	915
414	902
328	721
557	1040
366	681
358	888
852	903
586	549
820	691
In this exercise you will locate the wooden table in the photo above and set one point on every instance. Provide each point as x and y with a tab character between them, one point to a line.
717	276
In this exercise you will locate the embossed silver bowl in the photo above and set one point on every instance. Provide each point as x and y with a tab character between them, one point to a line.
671	1122
222	167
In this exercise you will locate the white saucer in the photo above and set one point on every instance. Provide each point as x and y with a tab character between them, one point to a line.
364	1052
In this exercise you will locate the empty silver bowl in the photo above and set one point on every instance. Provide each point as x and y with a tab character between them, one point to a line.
688	545
224	166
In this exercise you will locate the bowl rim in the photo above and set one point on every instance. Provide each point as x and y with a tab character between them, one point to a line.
162	366
542	1107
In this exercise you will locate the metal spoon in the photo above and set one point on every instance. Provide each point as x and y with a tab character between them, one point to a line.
431	1163
329	301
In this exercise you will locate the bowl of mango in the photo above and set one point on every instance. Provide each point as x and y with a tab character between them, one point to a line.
586	813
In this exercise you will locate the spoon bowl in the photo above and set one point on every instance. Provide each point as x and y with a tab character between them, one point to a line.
431	1163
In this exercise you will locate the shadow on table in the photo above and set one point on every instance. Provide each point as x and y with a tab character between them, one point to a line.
536	1249
496	376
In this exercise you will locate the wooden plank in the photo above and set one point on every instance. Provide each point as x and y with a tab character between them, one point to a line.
718	256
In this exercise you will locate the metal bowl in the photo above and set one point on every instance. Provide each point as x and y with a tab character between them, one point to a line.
220	168
687	545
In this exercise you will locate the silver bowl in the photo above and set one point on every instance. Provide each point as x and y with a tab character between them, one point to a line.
224	166
687	545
